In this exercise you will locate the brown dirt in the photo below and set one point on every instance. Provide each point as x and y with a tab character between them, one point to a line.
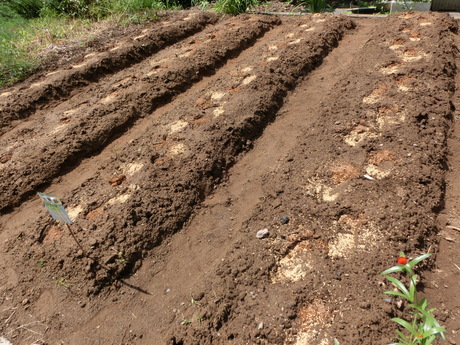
170	158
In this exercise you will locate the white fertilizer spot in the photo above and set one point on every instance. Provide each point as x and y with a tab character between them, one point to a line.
73	212
89	55
110	98
177	149
36	84
132	168
218	111
80	65
294	266
177	126
121	199
249	79
5	94
217	96
52	73
140	36
297	41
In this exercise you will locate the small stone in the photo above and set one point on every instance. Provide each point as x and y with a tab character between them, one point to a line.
260	326
284	220
25	301
365	305
388	300
399	304
262	233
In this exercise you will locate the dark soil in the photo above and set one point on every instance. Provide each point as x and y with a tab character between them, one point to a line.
173	150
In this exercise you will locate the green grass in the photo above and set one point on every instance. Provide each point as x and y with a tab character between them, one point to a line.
28	27
234	7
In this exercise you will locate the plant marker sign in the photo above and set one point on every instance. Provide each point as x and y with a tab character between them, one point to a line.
55	208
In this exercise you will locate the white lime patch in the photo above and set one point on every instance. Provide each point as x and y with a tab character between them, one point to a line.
295	266
177	149
321	191
37	84
58	129
391	118
187	53
80	65
354	234
217	96
249	80
314	319
116	47
376	172
73	212
6	94
297	41
121	82
391	69
121	199
341	245
218	111
426	24
358	134
52	73
4	341
132	168
110	98
178	126
413	56
89	55
247	69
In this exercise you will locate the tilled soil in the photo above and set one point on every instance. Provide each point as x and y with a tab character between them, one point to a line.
174	147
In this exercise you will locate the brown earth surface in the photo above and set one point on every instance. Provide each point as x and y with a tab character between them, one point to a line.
174	144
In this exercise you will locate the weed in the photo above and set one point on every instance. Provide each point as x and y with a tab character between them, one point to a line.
121	259
199	318
40	263
234	7
423	328
62	282
186	322
316	6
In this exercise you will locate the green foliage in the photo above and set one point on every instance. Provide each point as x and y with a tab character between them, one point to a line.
234	7
423	328
14	61
316	6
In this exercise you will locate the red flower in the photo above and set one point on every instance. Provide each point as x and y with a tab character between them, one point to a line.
402	260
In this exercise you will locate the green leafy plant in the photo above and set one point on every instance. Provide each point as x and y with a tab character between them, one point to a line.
186	322
423	328
234	7
121	258
62	282
317	6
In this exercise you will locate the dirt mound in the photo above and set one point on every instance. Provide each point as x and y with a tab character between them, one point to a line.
147	144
